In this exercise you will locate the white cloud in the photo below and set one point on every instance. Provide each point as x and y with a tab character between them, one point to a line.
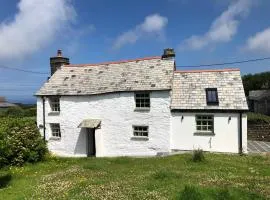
222	29
259	42
34	26
152	25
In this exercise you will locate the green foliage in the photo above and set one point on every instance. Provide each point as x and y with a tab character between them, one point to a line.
20	141
198	155
19	112
257	118
256	81
190	193
14	112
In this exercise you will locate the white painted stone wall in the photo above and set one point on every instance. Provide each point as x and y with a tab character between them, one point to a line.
226	138
114	138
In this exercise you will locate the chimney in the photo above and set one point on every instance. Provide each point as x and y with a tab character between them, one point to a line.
168	53
58	61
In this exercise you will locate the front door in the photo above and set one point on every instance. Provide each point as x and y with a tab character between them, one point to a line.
90	142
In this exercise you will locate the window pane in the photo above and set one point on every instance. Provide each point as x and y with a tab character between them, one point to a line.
142	100
140	131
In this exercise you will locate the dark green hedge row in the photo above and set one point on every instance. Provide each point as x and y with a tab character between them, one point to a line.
256	118
20	141
19	112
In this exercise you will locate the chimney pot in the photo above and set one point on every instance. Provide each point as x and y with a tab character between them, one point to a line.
59	53
168	53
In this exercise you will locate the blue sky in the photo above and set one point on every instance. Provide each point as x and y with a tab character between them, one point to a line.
91	31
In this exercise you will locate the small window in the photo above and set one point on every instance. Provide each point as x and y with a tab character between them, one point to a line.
142	99
205	123
56	130
55	104
211	96
140	131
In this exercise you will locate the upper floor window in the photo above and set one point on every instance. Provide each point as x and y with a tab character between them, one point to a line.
211	96
142	100
56	132
55	104
140	131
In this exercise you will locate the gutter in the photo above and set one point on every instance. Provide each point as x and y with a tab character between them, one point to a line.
44	128
240	134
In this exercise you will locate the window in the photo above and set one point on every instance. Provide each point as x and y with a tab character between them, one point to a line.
142	99
211	96
205	123
56	130
140	131
55	104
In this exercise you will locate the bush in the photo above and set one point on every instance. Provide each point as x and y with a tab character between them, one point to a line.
255	118
30	112
20	141
197	155
14	112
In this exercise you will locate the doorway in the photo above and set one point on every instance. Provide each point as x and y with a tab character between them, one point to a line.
90	142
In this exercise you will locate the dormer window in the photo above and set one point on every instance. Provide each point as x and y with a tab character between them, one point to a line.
211	96
55	104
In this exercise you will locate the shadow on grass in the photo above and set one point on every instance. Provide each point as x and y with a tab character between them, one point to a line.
191	192
4	180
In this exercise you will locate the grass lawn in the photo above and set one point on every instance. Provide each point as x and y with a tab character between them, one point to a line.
174	177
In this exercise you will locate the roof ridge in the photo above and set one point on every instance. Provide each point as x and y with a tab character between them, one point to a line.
208	70
113	62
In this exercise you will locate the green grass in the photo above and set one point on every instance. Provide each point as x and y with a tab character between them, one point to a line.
174	177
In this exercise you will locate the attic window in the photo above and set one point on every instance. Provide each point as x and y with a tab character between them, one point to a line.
211	96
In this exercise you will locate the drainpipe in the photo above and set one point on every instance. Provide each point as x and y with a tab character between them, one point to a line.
44	128
240	134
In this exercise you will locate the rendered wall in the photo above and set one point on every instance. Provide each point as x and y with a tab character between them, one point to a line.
115	137
226	138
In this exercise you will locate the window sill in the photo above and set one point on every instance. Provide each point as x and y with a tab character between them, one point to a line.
55	138
142	109
54	113
139	138
204	134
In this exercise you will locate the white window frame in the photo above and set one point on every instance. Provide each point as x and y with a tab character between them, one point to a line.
55	130
142	100
204	123
55	104
140	131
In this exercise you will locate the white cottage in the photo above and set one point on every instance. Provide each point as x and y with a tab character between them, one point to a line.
140	107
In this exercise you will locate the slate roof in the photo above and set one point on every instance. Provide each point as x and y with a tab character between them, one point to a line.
151	73
189	89
258	94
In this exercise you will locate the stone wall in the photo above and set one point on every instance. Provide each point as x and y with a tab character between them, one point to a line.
259	132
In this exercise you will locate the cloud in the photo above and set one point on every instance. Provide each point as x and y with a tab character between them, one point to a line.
222	28
152	25
34	26
260	42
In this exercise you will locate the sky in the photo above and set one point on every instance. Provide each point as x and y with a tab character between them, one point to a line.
92	31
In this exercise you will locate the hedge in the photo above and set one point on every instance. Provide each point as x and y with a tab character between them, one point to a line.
20	141
255	118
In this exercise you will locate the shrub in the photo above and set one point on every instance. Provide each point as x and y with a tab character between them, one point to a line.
254	118
198	155
190	193
20	141
14	112
30	112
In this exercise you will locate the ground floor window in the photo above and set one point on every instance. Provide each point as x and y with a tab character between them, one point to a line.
205	123
140	131
56	132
